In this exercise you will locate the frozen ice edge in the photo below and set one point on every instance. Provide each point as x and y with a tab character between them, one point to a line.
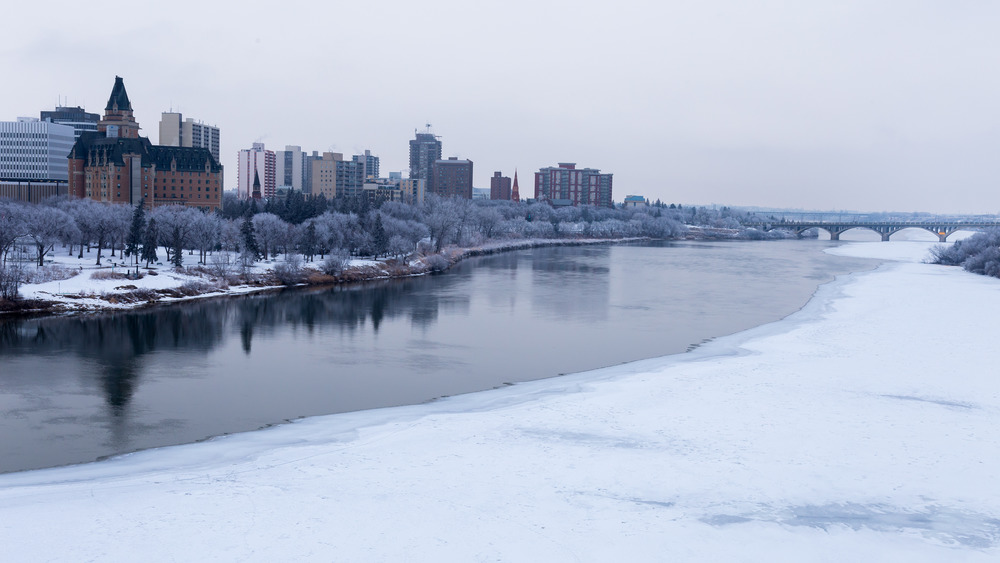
750	522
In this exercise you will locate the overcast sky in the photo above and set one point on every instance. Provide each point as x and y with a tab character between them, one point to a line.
863	105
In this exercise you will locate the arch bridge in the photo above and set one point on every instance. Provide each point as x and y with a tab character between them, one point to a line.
885	228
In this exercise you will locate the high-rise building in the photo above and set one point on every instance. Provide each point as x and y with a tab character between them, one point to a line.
569	185
323	174
451	178
370	164
114	164
350	178
75	117
412	190
260	160
290	168
307	172
175	131
31	149
425	150
33	163
500	186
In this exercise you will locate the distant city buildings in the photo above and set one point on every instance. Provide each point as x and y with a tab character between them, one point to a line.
333	176
115	165
369	164
425	150
350	177
568	185
75	117
451	178
175	131
290	168
257	160
31	149
635	201
323	173
412	190
33	163
500	186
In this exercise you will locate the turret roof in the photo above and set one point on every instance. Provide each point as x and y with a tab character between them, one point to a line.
119	98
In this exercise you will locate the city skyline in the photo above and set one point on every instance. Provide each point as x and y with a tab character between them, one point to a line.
884	106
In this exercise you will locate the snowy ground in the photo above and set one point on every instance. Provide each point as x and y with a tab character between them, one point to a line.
866	427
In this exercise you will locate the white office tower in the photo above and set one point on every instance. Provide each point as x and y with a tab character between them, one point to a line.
31	149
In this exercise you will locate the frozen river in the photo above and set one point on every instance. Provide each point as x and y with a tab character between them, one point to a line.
78	389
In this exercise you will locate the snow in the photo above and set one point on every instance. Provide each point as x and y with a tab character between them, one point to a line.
864	427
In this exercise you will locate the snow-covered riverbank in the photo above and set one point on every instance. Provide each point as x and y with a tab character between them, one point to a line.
68	284
865	427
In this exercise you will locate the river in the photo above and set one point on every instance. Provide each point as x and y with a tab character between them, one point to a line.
75	389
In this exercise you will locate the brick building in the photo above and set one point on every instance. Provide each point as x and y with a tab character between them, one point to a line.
451	178
569	185
115	165
500	186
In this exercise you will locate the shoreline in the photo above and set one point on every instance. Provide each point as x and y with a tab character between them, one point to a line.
366	272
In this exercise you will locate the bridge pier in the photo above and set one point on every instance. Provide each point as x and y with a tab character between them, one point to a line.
885	237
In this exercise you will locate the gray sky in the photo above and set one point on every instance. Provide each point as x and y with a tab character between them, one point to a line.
864	105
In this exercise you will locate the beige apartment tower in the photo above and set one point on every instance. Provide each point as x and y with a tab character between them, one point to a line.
324	174
175	131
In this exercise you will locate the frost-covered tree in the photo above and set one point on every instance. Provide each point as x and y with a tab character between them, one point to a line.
229	235
150	240
44	225
136	231
308	241
271	232
204	234
380	240
174	224
120	216
250	251
442	216
177	247
12	226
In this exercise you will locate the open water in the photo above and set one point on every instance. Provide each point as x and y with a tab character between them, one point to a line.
75	389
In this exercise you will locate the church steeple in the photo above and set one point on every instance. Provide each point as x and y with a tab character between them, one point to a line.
256	186
118	119
514	196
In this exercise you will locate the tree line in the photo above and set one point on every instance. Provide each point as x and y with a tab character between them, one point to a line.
313	227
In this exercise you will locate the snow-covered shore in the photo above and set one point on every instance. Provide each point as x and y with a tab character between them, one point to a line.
864	427
77	285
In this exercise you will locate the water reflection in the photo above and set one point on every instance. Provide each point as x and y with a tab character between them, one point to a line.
118	342
572	282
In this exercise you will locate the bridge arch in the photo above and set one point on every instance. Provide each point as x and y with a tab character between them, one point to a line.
885	229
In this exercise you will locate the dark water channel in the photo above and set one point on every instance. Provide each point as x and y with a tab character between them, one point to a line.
79	388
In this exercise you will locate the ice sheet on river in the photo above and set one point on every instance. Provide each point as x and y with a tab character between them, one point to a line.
865	427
